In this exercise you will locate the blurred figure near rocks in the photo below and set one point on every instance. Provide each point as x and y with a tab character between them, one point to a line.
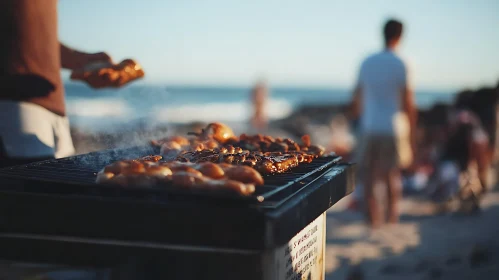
463	165
384	100
484	103
259	95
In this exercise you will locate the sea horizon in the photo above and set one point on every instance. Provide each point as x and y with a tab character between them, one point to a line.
168	103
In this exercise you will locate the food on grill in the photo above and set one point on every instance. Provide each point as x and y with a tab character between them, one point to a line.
243	174
208	169
153	158
174	140
171	147
217	131
189	180
265	163
216	143
149	171
265	143
218	138
133	172
217	135
214	158
213	136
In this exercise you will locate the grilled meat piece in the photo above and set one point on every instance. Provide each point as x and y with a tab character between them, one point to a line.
184	179
218	131
306	140
133	172
263	143
181	141
218	135
265	163
149	171
217	144
153	158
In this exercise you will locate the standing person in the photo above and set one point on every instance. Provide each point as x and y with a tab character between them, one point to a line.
384	100
32	107
259	95
33	123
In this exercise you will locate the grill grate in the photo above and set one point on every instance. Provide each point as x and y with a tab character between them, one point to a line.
76	176
59	198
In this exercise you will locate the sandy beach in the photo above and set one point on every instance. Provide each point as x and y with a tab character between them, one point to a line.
425	245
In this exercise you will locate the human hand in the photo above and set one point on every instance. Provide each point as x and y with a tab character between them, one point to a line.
93	61
97	79
77	60
109	75
89	61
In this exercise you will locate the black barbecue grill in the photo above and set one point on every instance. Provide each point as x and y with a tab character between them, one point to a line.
58	200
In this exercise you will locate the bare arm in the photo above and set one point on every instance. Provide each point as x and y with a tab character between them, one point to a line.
355	108
73	60
409	107
356	104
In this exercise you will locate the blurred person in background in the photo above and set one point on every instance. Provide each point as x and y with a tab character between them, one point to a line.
259	96
484	105
32	106
384	101
463	166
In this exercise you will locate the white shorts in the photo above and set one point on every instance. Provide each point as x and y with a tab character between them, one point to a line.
28	130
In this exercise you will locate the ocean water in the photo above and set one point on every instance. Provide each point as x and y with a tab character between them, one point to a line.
100	109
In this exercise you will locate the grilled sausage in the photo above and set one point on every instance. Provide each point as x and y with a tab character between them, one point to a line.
241	188
186	179
210	169
244	174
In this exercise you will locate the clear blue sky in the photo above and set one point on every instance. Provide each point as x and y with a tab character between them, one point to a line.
450	43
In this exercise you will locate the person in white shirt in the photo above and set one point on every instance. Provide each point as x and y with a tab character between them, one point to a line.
383	99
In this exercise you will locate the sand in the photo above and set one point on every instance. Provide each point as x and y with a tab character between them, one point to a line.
425	245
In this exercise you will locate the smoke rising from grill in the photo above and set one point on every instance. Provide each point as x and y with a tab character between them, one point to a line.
135	130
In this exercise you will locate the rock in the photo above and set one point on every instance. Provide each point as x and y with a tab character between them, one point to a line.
454	260
355	273
392	269
479	256
436	273
423	265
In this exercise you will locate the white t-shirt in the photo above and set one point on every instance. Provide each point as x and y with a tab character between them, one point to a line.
383	78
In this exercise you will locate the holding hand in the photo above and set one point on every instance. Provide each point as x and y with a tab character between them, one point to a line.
100	75
73	59
100	57
98	69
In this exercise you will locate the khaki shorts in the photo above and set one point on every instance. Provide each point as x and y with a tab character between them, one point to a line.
383	152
